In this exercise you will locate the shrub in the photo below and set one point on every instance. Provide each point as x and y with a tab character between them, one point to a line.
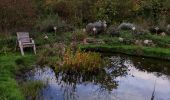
32	89
51	55
7	44
82	61
154	31
79	35
113	31
5	49
127	36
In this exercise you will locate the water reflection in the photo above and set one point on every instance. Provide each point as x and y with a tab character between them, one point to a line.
125	78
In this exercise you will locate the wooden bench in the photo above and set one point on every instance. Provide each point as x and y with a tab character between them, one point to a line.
24	41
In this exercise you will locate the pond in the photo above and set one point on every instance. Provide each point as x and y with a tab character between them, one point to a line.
125	78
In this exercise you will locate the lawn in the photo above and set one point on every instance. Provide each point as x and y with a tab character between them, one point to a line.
9	88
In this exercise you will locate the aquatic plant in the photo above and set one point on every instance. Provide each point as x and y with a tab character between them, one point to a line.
80	60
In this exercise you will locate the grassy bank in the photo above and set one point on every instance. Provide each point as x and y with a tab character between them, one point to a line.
10	65
155	52
50	51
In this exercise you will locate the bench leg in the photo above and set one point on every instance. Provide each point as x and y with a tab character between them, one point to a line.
34	49
22	50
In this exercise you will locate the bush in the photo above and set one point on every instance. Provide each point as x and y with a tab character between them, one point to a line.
79	35
113	31
32	89
51	54
160	30
7	44
82	61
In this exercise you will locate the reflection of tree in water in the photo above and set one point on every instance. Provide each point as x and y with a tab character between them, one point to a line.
104	78
69	91
146	64
152	65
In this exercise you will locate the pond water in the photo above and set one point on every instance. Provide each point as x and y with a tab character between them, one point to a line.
125	78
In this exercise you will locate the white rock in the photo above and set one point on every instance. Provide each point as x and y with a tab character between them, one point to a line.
163	34
121	39
84	30
146	41
45	37
94	29
133	28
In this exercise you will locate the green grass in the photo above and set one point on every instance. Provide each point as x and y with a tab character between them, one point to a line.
160	49
32	89
159	41
154	52
9	88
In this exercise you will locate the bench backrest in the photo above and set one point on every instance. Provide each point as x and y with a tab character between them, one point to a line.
23	37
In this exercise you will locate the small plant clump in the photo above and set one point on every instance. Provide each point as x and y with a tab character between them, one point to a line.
32	89
82	61
79	35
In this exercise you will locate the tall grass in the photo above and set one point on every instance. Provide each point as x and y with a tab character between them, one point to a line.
84	61
32	89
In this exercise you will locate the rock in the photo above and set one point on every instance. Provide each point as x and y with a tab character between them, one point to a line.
121	39
148	43
163	34
46	37
84	30
96	27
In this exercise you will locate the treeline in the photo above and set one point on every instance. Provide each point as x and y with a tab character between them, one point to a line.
43	14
